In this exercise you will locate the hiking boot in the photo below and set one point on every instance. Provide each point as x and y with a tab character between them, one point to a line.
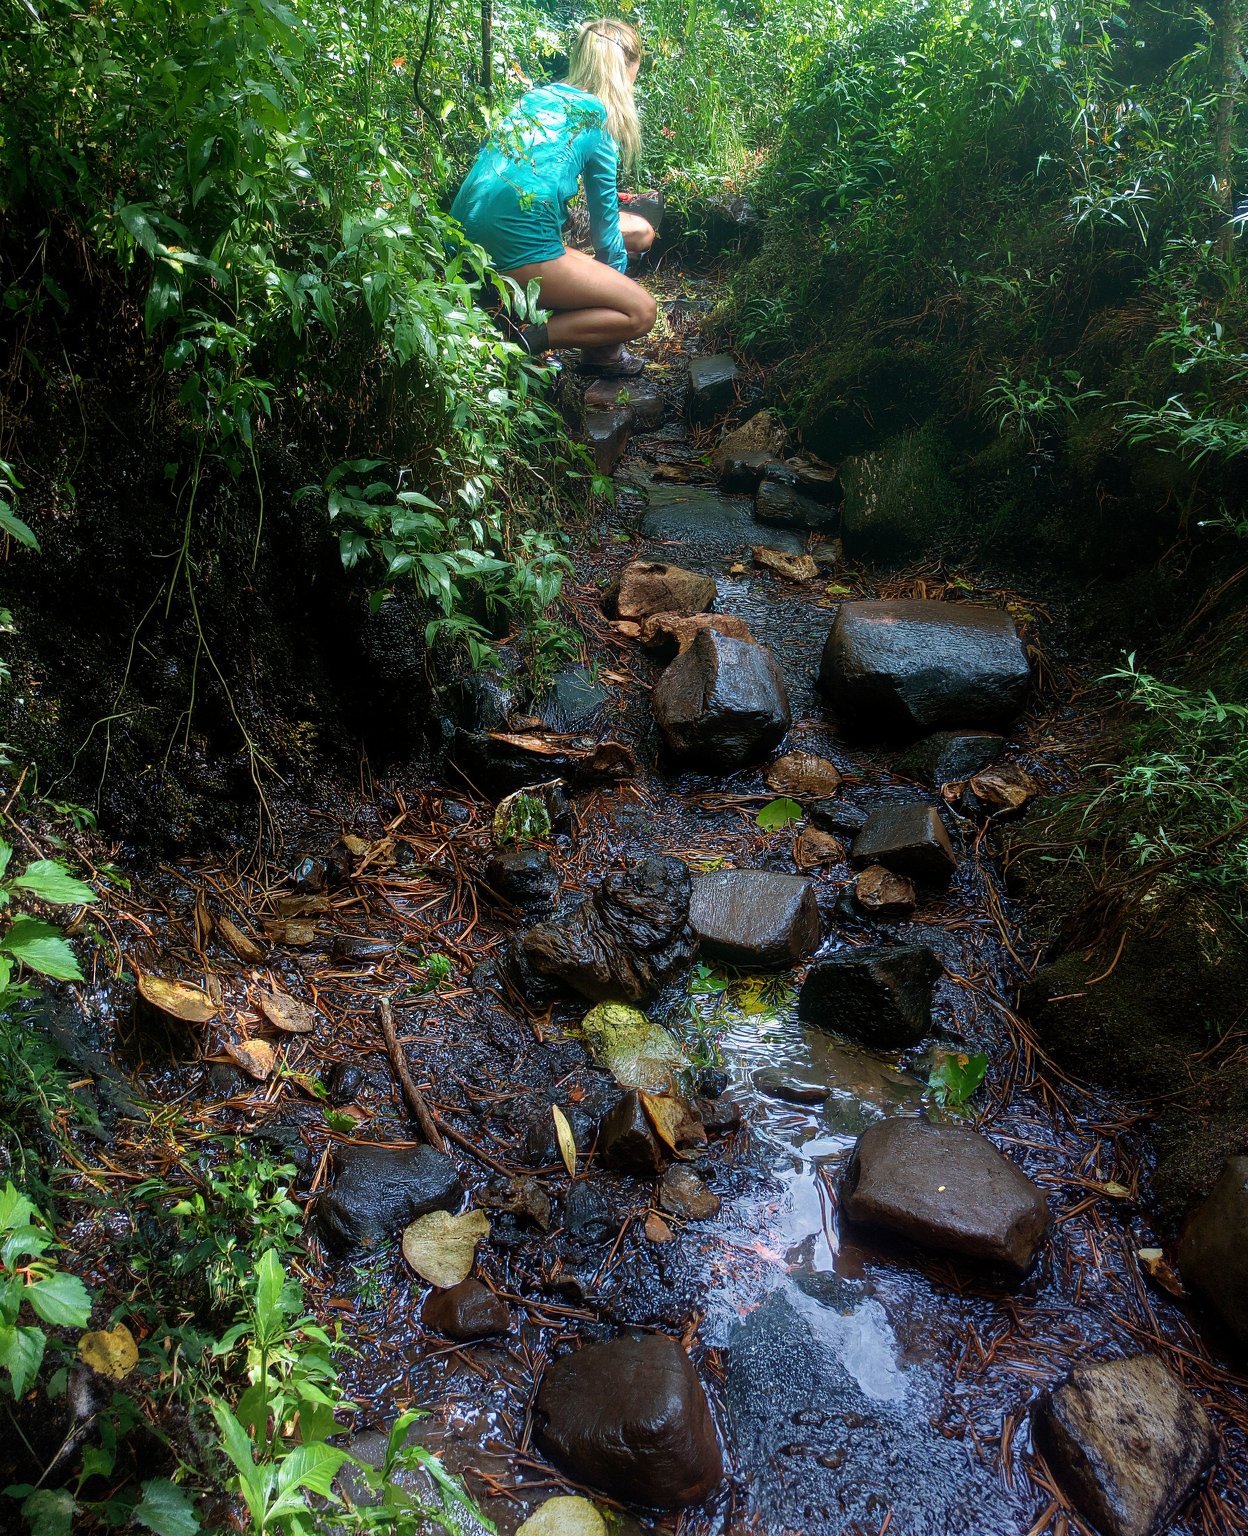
610	362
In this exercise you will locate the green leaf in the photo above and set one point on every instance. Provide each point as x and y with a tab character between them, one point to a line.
13	525
311	1466
166	1509
50	1511
234	1439
61	1300
51	881
782	812
41	947
21	1354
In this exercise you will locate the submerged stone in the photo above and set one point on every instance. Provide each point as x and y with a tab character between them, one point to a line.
1127	1443
630	1417
950	757
945	1187
916	665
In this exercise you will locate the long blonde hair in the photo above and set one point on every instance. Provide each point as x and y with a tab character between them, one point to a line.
601	56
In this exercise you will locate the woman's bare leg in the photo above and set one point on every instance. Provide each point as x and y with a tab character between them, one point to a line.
593	304
638	233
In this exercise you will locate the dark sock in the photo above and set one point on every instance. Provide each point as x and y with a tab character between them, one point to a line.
535	339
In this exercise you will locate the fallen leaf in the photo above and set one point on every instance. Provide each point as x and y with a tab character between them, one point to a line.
288	1013
441	1247
180	1000
111	1352
357	847
672	1120
256	1057
813	849
637	1052
657	1230
1006	786
293	935
1114	1190
564	1516
302	906
567	1142
671	472
243	945
203	921
1155	1266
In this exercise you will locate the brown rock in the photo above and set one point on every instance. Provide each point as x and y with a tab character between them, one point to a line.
627	1142
630	1417
722	704
657	1230
754	916
761	434
468	1310
1004	787
791	567
663	631
1127	1443
652	586
813	849
683	1193
802	775
879	891
1212	1252
908	839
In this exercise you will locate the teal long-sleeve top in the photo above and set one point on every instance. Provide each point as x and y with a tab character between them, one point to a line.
514	200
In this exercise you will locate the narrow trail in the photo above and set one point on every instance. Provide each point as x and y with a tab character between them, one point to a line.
858	1385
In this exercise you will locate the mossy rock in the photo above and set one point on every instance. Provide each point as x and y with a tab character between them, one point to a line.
862	395
901	503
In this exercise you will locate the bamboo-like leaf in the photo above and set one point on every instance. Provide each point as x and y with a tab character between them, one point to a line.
567	1142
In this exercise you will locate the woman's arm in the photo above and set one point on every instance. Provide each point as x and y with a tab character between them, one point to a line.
600	173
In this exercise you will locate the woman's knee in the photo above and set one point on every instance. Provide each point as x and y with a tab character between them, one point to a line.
643	313
639	237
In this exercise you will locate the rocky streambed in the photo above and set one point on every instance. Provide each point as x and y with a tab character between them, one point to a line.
695	961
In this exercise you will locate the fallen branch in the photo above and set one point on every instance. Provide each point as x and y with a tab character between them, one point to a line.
425	1117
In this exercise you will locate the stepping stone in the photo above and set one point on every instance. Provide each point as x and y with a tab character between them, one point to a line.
837	816
754	917
1213	1253
643	398
802	775
908	839
468	1310
779	501
777	1084
378	1190
682	1193
712	388
761	435
945	1187
1127	1443
882	893
744	471
917	665
722	704
630	1418
606	437
881	997
676	631
652	586
816	478
710	523
950	757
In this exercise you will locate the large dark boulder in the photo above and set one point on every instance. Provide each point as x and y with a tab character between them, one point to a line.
915	665
377	1191
908	839
630	1418
1127	1443
1213	1249
945	1187
625	943
712	388
881	997
780	499
722	703
754	917
950	757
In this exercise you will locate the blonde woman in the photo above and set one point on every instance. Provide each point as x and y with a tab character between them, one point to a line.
514	201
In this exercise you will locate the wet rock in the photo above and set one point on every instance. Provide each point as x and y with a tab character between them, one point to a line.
541	1143
795	568
712	388
917	665
777	1084
523	876
630	1418
468	1310
710	1082
945	1187
1212	1252
816	478
675	631
838	816
908	839
754	917
606	437
626	1140
881	997
682	1193
884	894
626	942
574	701
719	1117
378	1190
743	471
586	1214
723	703
652	586
950	757
311	874
781	502
499	762
345	1082
224	1081
1126	1442
479	701
802	775
814	849
641	398
762	434
359	949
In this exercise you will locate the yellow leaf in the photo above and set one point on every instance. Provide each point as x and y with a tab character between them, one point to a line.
672	1122
180	1000
567	1142
256	1057
1115	1190
441	1247
288	1013
564	1516
112	1352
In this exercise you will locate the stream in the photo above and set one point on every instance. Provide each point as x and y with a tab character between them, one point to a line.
859	1385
